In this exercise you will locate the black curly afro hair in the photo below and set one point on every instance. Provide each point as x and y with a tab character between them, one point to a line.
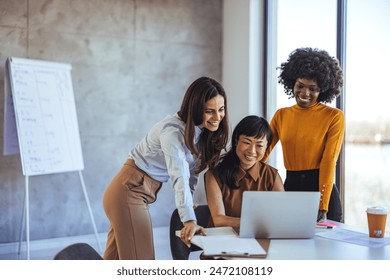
315	65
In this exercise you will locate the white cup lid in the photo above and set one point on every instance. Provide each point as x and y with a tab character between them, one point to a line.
376	210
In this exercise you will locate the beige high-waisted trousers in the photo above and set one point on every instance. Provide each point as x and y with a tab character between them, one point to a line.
125	202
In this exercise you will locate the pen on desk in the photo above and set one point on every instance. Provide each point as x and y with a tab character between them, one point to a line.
328	227
235	253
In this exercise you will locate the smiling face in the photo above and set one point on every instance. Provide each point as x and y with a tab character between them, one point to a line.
306	92
214	112
250	150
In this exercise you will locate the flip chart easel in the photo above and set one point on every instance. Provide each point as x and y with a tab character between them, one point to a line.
40	106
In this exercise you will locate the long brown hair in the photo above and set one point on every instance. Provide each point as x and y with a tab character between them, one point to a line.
191	112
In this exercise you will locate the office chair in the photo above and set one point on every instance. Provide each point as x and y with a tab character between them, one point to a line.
78	251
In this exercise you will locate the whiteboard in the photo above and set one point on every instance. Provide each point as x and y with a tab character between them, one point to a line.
45	116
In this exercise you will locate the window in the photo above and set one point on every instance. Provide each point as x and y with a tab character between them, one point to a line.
305	23
367	99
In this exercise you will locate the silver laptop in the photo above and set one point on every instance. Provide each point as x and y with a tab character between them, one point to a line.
279	214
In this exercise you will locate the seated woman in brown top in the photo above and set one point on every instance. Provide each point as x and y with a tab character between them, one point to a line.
241	170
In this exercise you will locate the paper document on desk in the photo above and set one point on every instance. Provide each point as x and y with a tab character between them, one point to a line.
354	237
215	231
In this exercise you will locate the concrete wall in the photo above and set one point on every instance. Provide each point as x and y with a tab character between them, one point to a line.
132	62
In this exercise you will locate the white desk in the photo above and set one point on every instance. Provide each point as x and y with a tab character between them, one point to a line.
320	248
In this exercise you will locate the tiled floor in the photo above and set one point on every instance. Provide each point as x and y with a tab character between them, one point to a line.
47	249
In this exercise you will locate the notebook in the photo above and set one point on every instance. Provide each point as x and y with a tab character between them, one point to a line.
279	214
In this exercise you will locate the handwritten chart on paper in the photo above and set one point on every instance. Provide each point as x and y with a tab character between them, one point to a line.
45	116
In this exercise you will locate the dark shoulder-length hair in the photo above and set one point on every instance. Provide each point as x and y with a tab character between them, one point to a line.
252	126
210	144
313	64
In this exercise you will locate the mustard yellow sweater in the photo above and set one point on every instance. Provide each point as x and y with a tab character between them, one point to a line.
311	138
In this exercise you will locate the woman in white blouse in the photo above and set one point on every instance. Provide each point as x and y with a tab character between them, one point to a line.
178	148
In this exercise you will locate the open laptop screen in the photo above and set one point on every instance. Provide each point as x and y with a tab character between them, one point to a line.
279	214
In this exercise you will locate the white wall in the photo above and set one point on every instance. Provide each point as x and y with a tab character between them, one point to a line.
242	48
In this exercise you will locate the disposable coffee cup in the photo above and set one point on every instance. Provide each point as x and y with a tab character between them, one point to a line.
376	218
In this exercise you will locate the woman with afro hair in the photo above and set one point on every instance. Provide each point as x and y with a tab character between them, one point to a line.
311	133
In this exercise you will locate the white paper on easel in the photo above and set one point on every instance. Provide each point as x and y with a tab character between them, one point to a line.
45	116
225	245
